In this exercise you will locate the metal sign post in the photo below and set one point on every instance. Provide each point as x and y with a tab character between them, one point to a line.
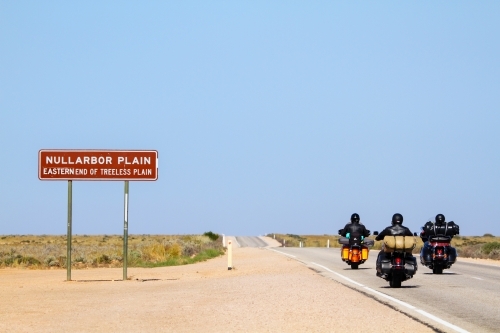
93	164
125	234
68	245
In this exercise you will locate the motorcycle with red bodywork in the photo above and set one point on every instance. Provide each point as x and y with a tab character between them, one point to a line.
438	254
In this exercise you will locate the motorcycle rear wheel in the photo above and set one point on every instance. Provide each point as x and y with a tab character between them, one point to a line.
354	266
437	270
395	282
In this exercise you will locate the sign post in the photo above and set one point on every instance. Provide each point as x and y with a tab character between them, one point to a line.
125	233
70	216
80	164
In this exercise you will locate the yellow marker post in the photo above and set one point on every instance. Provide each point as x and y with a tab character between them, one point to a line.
229	255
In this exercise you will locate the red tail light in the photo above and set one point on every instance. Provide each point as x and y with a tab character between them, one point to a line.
398	261
439	251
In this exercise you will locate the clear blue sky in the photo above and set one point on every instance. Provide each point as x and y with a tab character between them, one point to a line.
281	116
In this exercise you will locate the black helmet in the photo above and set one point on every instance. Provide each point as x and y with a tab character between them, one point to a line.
397	219
440	219
354	218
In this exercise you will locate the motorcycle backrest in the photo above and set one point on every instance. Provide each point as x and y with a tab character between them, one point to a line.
368	242
399	243
344	240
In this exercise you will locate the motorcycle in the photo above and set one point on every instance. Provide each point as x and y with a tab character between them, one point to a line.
438	254
398	264
355	249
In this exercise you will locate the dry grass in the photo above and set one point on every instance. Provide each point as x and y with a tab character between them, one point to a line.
49	251
482	247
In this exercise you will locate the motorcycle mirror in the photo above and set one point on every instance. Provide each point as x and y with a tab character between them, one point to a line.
414	234
375	233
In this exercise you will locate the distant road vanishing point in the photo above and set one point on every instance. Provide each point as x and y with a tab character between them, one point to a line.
250	241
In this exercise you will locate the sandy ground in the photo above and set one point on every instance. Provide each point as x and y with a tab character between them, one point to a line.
265	292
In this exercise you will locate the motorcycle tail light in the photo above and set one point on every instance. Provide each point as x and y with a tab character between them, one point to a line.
398	261
439	251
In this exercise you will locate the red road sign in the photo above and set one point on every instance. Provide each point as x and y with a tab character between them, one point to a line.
75	164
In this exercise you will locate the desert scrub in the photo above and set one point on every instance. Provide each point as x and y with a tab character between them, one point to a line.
485	247
171	251
492	250
49	251
292	240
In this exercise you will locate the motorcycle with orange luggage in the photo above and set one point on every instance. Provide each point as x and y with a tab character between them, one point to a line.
355	249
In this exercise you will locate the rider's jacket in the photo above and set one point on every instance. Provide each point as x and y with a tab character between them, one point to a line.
354	229
449	229
394	230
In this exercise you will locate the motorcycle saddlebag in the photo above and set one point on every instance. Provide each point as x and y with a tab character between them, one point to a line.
385	265
399	243
411	265
452	255
345	252
426	256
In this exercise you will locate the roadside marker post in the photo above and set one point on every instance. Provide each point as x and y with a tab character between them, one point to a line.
328	243
229	255
94	164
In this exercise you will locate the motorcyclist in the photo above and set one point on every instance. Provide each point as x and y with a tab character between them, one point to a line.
396	229
354	230
439	228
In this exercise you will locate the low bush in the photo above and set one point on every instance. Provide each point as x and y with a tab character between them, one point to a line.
211	235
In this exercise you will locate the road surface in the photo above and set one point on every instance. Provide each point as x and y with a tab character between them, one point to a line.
464	298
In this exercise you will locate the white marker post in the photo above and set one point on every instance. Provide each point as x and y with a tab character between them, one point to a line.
229	255
328	243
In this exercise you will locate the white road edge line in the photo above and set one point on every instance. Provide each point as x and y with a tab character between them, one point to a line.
286	254
237	242
422	312
441	321
342	276
477	278
409	306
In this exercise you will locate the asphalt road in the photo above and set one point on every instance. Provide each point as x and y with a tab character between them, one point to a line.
464	298
245	241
